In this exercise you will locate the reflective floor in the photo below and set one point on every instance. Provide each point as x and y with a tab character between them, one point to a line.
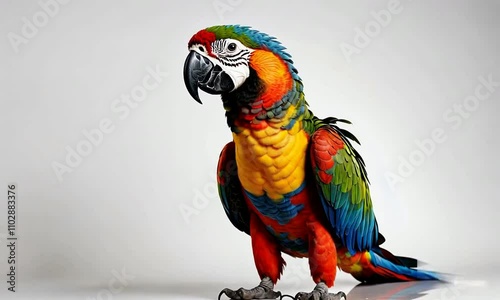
473	288
423	290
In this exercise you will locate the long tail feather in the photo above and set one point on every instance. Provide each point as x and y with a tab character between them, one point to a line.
390	271
379	266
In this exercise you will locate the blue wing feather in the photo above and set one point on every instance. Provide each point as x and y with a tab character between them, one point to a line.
345	196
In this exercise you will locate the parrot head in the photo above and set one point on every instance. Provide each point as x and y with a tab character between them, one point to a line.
241	64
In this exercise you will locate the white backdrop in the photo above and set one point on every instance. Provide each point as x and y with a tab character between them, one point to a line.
142	195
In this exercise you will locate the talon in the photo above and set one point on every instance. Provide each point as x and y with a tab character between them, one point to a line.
301	295
320	292
229	293
263	291
247	294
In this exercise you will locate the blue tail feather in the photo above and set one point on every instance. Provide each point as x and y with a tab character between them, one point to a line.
379	261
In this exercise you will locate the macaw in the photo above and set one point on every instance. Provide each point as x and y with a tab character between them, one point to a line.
289	179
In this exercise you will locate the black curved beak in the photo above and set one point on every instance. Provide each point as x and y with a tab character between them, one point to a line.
200	72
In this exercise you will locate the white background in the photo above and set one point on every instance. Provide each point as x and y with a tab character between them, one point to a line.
121	206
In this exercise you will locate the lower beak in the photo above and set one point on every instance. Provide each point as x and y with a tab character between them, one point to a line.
200	72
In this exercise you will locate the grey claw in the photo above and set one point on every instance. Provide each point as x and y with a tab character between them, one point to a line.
320	292
301	296
263	291
247	294
337	296
229	293
340	296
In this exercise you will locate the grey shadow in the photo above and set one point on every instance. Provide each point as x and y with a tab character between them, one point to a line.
398	290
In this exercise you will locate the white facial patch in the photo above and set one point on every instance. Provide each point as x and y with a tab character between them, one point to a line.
232	56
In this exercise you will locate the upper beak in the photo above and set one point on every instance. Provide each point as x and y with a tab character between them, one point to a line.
200	72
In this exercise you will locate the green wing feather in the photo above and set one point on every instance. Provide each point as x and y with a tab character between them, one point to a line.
342	183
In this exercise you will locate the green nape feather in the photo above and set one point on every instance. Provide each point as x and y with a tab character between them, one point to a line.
251	38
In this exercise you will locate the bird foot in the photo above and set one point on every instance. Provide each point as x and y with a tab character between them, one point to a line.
263	291
320	292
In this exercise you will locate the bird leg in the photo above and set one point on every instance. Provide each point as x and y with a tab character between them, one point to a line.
320	292
263	291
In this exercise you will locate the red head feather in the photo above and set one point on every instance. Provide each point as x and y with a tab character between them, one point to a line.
205	38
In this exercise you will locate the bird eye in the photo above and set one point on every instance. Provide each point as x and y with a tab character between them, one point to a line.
231	47
201	49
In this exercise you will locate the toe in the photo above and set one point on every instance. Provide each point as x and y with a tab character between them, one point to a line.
245	294
230	294
337	296
302	296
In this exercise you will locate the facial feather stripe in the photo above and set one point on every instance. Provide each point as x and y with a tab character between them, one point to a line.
235	58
